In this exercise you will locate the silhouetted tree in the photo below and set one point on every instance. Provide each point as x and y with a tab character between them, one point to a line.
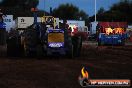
20	7
21	4
69	12
101	10
121	11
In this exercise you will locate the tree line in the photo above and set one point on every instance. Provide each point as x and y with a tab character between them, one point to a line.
121	11
20	7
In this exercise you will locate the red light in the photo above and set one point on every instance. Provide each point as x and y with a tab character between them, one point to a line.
34	9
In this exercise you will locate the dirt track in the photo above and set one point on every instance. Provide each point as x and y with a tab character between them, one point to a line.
58	72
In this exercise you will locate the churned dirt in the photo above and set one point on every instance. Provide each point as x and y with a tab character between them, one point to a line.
104	62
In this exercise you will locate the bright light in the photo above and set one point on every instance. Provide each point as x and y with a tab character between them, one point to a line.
119	31
55	45
72	27
109	30
114	31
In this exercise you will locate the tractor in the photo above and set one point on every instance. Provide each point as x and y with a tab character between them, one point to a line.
46	39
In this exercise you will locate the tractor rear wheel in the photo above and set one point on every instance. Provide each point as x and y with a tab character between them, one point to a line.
14	44
30	42
68	45
77	45
3	50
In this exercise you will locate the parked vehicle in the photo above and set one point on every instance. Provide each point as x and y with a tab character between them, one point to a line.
111	33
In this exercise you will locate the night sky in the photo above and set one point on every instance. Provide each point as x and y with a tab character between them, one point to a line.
86	5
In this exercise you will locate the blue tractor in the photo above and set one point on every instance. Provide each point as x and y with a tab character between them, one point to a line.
45	38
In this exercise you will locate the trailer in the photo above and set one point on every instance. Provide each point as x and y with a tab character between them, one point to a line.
111	33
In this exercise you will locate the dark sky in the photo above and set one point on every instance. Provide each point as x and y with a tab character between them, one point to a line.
86	5
0	0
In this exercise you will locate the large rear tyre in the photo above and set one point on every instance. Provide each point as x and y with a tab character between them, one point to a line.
77	45
41	51
30	42
14	45
3	50
69	46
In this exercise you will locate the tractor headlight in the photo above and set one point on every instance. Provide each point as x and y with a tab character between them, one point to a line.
55	45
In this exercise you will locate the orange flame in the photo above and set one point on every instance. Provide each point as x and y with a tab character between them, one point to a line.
119	30
114	31
109	30
84	73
